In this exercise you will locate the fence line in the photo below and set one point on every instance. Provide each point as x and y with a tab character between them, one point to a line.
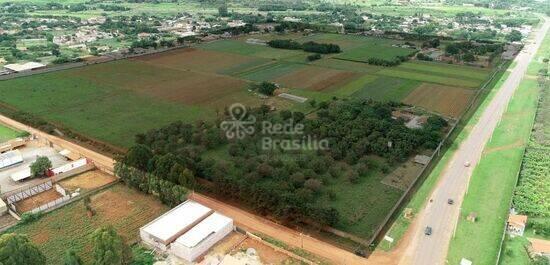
431	163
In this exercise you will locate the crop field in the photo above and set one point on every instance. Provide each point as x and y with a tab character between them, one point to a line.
7	133
316	78
202	60
446	100
364	52
70	227
194	83
386	89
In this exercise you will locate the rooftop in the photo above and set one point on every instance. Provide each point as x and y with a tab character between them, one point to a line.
173	222
23	67
211	225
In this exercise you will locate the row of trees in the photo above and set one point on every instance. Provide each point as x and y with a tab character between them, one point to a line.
310	46
387	62
285	183
108	248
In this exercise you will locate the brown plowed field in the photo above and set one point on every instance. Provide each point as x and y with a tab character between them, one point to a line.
447	100
316	78
198	60
37	200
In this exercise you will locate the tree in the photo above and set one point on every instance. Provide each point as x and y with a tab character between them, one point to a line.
222	11
138	156
469	57
71	258
40	166
266	88
17	249
109	248
514	36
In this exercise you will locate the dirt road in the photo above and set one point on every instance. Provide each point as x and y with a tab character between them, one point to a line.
441	216
101	161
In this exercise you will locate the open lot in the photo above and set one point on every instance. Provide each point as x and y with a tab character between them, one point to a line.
70	227
446	100
29	154
87	181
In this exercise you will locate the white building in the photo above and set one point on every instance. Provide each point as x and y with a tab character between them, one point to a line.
16	67
202	237
187	231
164	230
10	158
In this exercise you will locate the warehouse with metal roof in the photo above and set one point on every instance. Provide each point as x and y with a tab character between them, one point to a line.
202	237
164	230
187	231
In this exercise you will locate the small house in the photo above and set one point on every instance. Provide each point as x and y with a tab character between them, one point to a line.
516	224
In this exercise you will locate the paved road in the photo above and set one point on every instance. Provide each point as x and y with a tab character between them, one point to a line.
432	250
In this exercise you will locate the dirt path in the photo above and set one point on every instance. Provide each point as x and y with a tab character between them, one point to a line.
103	162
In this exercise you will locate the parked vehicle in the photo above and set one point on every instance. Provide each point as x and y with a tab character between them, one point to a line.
450	201
428	231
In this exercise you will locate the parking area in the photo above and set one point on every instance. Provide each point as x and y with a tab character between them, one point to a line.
30	152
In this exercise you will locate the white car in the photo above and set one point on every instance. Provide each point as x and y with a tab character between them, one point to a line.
467	164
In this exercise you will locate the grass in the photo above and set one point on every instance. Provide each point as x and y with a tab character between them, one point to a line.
386	89
364	205
243	48
7	133
514	251
364	52
493	180
270	71
87	106
70	227
431	77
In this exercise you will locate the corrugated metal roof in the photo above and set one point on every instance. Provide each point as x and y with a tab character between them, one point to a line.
174	221
212	224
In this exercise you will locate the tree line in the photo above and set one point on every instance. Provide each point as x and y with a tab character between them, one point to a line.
310	46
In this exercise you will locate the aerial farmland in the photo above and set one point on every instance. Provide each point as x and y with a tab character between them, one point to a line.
194	83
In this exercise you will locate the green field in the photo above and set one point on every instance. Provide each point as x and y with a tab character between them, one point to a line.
89	107
7	133
386	89
367	51
439	73
493	180
243	48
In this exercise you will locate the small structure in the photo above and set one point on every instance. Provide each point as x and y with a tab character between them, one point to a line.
422	159
293	97
18	68
164	230
472	217
464	261
539	247
10	158
21	175
201	237
516	224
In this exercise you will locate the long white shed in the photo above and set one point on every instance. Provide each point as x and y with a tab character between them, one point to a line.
164	230
202	237
10	158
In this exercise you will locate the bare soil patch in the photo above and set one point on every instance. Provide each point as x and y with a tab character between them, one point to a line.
37	200
196	59
447	100
316	78
267	254
87	181
403	176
